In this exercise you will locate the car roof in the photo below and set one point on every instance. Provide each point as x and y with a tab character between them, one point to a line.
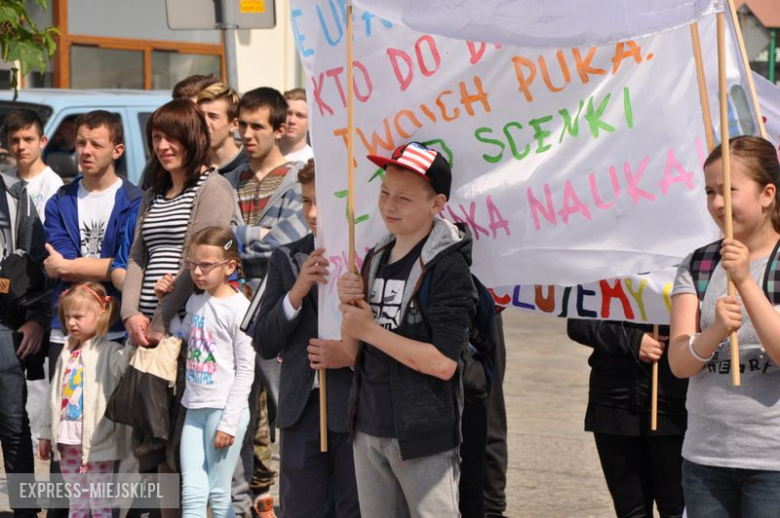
61	98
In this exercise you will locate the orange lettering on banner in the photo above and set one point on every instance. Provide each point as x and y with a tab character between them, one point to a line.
467	99
523	80
440	104
546	304
621	54
564	72
583	66
376	140
411	117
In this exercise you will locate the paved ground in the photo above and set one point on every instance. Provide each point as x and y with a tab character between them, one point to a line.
553	468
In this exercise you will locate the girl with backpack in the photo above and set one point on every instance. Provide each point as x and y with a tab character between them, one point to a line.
731	463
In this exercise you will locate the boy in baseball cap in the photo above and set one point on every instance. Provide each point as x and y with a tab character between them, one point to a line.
404	410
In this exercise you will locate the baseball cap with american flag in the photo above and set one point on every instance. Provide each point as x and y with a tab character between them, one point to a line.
420	159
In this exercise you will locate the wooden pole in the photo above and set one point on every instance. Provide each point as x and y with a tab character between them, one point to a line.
726	159
350	141
350	207
743	53
654	388
702	80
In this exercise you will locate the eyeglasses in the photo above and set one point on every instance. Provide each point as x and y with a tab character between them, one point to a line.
204	266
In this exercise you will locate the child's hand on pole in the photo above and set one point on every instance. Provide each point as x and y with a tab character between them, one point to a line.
313	271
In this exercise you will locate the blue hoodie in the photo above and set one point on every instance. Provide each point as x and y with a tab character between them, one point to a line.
62	232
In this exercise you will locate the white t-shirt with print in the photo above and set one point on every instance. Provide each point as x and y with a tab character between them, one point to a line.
94	213
41	188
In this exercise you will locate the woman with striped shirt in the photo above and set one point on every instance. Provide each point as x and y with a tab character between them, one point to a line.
185	197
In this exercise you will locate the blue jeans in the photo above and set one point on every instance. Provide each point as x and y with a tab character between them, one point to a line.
15	436
714	492
205	471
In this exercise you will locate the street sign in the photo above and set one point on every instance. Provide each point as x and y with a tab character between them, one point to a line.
207	14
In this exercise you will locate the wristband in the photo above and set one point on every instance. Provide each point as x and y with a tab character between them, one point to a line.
693	351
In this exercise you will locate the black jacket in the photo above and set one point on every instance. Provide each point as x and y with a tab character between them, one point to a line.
275	336
426	409
27	234
619	380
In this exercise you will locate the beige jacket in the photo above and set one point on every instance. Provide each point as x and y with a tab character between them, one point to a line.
104	364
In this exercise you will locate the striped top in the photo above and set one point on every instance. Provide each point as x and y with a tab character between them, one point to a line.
163	231
253	196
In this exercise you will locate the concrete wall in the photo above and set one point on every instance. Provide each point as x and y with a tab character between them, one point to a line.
267	57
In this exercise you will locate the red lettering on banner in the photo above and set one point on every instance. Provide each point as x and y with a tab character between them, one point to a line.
614	292
434	52
404	78
321	105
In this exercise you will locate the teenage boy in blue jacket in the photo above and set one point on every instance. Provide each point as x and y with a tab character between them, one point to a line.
86	220
288	315
406	396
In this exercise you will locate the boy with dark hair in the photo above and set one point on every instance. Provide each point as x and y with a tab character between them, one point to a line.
219	103
289	313
406	396
268	193
190	87
270	203
23	130
293	143
21	336
86	220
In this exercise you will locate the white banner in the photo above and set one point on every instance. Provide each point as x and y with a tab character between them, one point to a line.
644	298
531	23
769	99
569	165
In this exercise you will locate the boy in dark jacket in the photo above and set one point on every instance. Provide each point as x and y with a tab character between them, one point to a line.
21	335
406	397
287	330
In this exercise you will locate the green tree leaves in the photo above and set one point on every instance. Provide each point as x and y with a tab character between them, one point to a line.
21	40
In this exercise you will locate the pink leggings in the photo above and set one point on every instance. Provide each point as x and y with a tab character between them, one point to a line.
97	473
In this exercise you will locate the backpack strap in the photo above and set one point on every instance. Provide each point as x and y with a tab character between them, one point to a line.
703	263
772	276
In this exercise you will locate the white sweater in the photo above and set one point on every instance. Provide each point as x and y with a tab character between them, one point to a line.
104	363
220	357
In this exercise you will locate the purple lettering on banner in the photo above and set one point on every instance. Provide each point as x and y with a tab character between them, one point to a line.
520	304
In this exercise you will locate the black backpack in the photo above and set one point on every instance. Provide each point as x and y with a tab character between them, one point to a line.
22	286
477	357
